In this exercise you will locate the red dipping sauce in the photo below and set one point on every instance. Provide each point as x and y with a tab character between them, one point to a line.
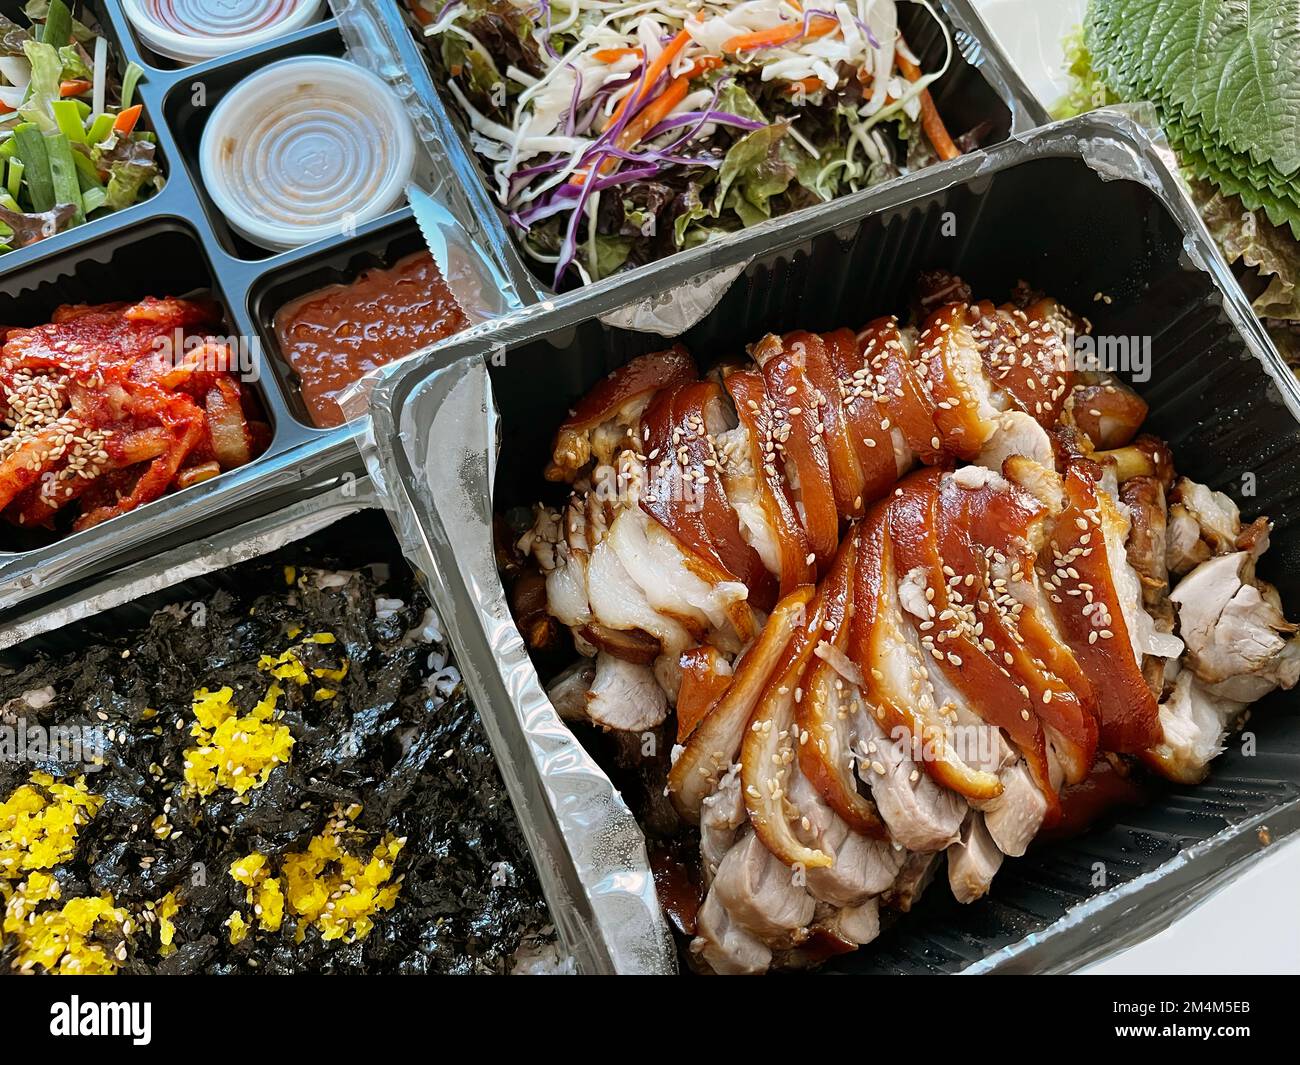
337	335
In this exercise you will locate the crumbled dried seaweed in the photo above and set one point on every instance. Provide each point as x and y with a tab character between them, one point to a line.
400	738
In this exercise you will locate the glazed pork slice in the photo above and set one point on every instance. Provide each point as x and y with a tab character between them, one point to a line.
886	650
949	364
888	353
824	360
672	584
922	815
989	534
979	690
1092	592
1025	356
827	719
619	602
756	488
769	751
876	449
684	491
1105	410
798	434
607	417
714	744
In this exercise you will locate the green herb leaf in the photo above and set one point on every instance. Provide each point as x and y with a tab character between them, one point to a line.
1233	67
57	30
30	148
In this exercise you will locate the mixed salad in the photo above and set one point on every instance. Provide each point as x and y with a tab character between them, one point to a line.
71	146
619	131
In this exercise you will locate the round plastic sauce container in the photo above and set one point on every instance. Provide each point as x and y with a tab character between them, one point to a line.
305	149
194	30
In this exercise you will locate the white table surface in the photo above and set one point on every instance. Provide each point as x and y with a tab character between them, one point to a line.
1252	923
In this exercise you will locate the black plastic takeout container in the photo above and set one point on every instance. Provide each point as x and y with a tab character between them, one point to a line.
1085	210
981	85
177	243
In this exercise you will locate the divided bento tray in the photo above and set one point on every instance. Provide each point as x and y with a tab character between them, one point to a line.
981	85
1087	210
176	243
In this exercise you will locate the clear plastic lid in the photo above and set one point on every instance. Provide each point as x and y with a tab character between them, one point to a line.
306	149
195	30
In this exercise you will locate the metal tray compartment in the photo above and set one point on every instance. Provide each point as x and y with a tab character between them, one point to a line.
981	85
173	244
334	520
1078	209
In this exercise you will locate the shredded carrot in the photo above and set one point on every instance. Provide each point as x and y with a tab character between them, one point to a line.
933	125
613	55
807	86
125	122
745	42
423	17
660	63
5	109
651	115
75	88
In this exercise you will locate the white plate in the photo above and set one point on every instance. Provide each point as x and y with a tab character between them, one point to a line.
1031	32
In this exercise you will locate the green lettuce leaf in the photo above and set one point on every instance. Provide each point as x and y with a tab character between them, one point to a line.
735	100
74	63
754	170
127	183
611	254
1088	89
1245	237
47	71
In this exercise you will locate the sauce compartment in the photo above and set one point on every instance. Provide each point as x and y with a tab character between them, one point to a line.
120	53
277	291
191	100
157	257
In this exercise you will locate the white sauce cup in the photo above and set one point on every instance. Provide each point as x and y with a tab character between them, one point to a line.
192	31
304	149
